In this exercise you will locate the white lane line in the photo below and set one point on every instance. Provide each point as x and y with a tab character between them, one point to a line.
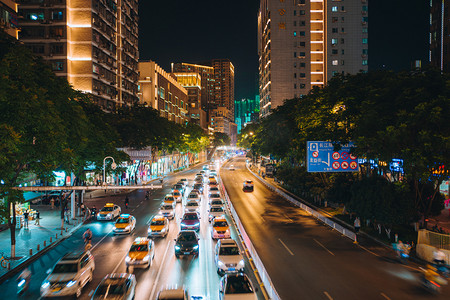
324	247
120	262
288	218
286	247
368	250
159	271
384	296
328	295
101	239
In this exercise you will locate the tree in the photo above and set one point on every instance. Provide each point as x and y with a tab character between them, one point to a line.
221	139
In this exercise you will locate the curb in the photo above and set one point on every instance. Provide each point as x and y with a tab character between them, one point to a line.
30	259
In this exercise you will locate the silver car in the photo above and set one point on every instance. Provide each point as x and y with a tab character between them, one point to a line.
116	286
228	258
216	211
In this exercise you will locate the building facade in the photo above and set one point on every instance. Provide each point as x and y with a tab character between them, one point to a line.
439	35
8	17
161	91
94	44
245	111
303	43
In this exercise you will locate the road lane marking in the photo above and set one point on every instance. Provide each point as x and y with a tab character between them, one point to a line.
324	247
286	247
101	239
120	262
364	248
159	271
328	295
384	296
288	218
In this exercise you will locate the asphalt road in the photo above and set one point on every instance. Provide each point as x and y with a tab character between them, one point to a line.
198	275
308	260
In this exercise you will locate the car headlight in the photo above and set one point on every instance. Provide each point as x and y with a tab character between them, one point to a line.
177	247
220	265
45	284
183	225
127	259
241	264
71	283
109	215
128	227
195	247
146	258
196	224
163	230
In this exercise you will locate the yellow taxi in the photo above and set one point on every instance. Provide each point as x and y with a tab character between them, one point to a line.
169	198
220	228
141	253
159	226
124	224
109	212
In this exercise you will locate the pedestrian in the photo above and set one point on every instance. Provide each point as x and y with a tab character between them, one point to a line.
37	217
52	202
25	219
357	224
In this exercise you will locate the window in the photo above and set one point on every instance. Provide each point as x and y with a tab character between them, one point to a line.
295	12
295	65
57	15
295	75
334	8
295	54
342	51
57	66
302	23
302	75
302	54
295	33
302	44
334	30
365	19
295	86
302	33
334	51
364	30
295	23
302	85
342	41
342	29
302	13
335	62
162	93
334	41
35	16
342	62
364	8
364	62
364	41
57	49
365	51
342	8
302	65
334	19
333	73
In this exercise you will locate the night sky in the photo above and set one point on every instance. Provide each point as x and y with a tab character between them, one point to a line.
199	30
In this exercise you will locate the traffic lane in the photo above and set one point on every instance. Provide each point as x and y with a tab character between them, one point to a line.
306	247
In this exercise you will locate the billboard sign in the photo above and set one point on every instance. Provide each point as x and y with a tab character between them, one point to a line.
321	157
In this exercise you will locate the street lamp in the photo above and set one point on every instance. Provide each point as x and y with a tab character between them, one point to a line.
113	166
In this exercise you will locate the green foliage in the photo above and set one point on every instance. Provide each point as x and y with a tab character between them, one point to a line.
221	139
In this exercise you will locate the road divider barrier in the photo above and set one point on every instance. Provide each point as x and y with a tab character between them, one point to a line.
344	231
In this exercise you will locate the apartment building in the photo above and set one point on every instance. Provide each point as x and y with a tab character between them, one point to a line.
8	17
161	91
439	38
303	43
94	44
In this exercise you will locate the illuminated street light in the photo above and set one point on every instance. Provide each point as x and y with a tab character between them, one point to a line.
113	166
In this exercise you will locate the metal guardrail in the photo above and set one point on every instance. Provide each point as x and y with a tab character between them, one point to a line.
344	231
265	278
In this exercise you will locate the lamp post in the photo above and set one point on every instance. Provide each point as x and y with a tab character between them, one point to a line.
113	166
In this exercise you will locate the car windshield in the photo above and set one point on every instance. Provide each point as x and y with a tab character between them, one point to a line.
216	202
220	224
216	209
169	198
197	185
66	268
193	196
215	195
238	285
139	247
229	251
191	203
214	189
187	237
176	193
190	217
123	220
157	222
111	287
108	208
167	207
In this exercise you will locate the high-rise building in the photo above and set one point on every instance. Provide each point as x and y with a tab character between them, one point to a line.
303	43
245	111
94	44
8	17
439	38
160	90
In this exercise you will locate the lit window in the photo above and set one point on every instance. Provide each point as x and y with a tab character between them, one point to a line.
364	30
295	33
334	8
365	51
334	41
302	54
364	41
364	62
335	62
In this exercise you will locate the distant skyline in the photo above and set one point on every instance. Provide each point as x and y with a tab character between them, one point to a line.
194	31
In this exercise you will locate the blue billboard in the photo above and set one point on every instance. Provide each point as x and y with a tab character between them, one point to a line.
321	157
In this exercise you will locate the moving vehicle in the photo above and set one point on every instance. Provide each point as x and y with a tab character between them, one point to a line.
109	212
173	294
126	223
141	253
169	198
177	195
191	205
70	274
198	186
214	195
231	168
190	221
116	287
167	210
228	258
220	228
236	286
193	196
184	181
186	243
216	202
159	226
248	186
214	189
178	187
215	211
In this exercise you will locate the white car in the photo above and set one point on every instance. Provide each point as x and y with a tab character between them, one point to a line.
167	210
177	195
220	228
236	286
125	224
116	286
109	212
216	211
191	205
141	254
69	275
216	202
159	226
193	196
228	258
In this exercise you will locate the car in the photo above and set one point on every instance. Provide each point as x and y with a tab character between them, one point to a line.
177	195
215	202
197	192
193	196
116	286
228	258
198	179
125	223
184	181
179	186
198	186
236	286
167	210
199	174
212	178
203	172
141	253
173	294
109	212
214	189
213	184
215	211
190	221
69	275
206	167
248	186
214	195
213	173
220	228
169	198
186	243
191	205
159	226
231	168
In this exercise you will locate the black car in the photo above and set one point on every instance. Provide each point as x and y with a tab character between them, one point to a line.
198	186
186	243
